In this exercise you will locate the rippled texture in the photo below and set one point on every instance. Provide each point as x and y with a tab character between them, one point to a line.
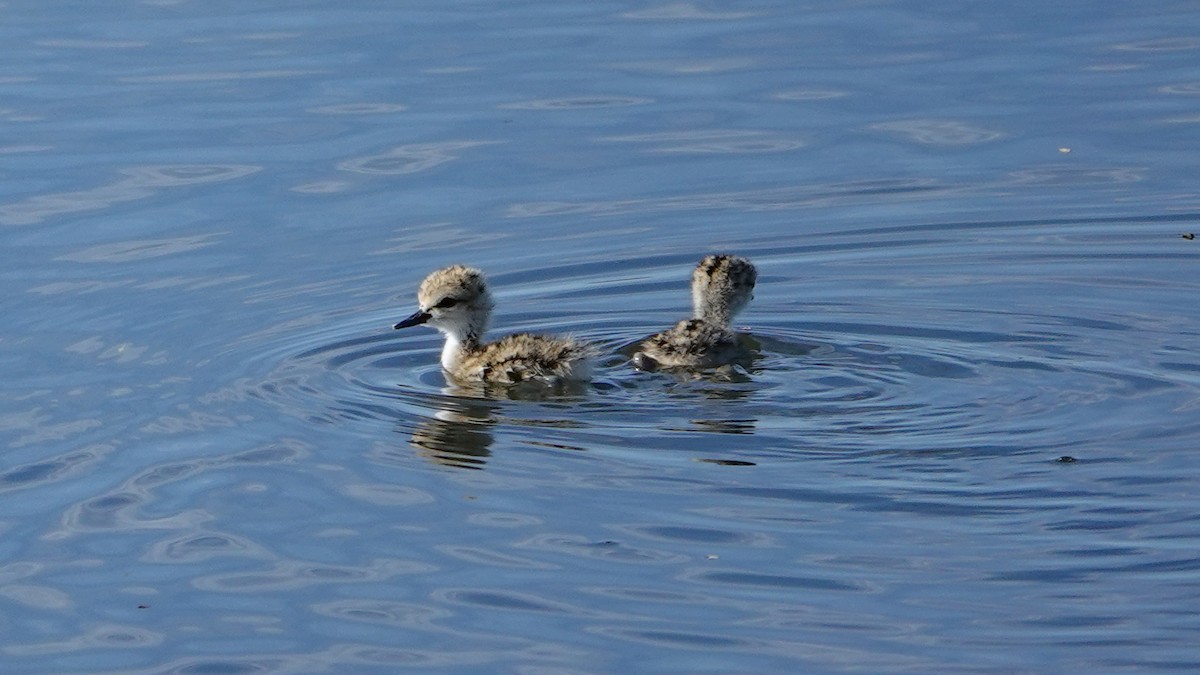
966	442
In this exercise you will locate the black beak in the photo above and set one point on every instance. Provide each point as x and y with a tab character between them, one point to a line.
419	317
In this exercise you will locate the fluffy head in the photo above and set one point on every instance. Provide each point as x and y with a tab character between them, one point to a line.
722	286
454	300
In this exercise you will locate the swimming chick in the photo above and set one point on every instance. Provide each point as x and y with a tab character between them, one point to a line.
722	286
455	300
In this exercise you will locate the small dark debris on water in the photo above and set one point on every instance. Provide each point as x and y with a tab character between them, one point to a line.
143	606
1066	459
725	462
1189	236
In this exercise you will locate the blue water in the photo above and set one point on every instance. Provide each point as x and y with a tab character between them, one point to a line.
967	444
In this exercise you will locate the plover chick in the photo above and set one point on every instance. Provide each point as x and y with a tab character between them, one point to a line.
722	286
456	301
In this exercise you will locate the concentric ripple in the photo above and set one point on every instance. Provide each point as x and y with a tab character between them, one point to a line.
930	363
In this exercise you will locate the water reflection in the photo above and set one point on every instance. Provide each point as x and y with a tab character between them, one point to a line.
1169	44
221	76
730	426
687	66
569	544
293	574
408	159
577	102
52	469
122	508
140	249
455	439
809	94
140	182
66	43
359	109
103	636
386	612
32	596
1077	175
459	433
433	237
198	546
713	141
683	10
938	132
771	199
1182	89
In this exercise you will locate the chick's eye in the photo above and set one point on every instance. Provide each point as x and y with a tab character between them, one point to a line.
446	303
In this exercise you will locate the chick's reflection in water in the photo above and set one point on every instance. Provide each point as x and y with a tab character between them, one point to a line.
460	434
458	438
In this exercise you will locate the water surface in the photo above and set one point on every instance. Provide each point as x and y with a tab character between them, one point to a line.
967	443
